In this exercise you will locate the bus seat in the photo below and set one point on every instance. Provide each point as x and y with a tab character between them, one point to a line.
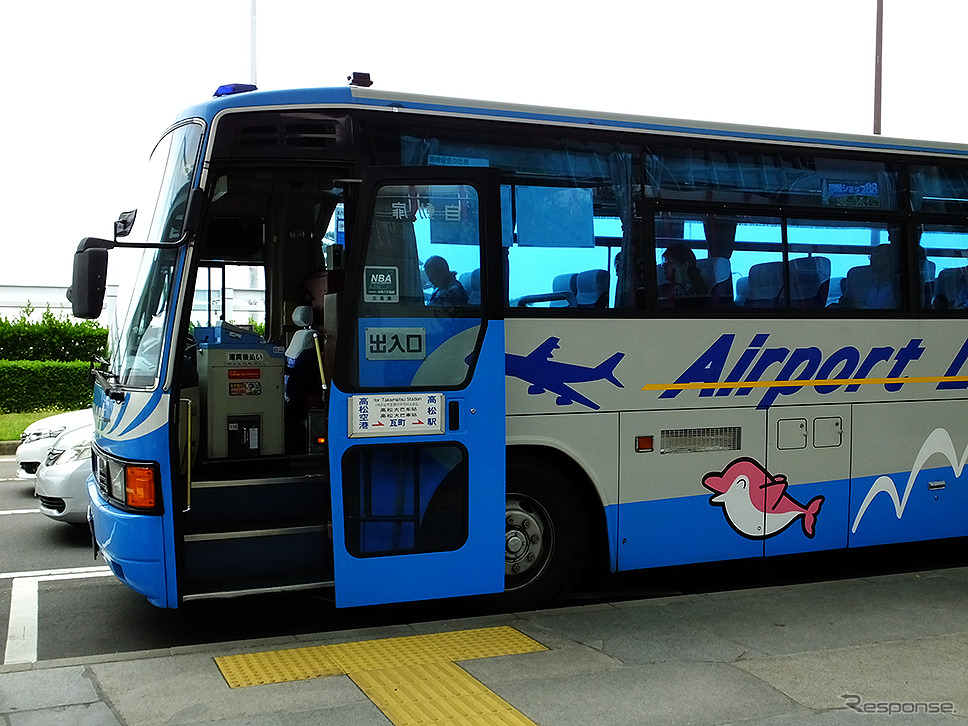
718	276
765	285
742	290
928	281
471	282
302	339
857	281
592	289
835	290
566	283
809	282
952	288
302	386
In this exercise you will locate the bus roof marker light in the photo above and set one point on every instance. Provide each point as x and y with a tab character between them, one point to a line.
361	80
229	88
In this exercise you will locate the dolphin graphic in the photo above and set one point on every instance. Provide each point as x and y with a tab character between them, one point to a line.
755	502
545	374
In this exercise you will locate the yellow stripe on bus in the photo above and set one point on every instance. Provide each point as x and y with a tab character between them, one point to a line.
795	382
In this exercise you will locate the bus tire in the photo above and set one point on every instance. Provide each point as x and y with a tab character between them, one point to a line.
546	535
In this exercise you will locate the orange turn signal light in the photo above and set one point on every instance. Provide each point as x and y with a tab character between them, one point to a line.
139	486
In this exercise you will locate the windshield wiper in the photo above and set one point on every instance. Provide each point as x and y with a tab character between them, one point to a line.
106	378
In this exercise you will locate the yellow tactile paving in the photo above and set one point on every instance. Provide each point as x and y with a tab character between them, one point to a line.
413	680
483	643
278	666
386	653
434	694
433	681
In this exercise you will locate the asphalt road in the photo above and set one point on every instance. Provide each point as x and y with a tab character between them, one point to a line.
79	610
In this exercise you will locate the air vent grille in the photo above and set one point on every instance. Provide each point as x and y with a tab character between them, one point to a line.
320	135
283	134
694	441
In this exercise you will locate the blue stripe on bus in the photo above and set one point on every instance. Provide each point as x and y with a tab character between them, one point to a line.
688	530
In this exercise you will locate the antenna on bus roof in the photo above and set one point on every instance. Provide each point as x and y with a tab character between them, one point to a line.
360	79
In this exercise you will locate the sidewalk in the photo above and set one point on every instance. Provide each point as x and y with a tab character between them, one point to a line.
819	654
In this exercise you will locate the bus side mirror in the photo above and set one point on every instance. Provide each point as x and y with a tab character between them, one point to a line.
90	281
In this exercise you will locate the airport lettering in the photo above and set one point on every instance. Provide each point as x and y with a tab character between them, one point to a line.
758	363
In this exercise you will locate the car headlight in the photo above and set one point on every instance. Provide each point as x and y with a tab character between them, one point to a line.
28	436
76	453
73	446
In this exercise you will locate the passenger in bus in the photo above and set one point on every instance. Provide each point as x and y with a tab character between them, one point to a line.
873	286
952	293
682	276
448	292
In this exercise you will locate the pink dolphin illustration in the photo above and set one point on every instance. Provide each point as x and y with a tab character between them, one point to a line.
755	502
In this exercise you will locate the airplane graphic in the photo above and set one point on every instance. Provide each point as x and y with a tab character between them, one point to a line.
545	374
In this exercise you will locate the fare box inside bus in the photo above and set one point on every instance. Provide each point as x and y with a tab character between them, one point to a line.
241	380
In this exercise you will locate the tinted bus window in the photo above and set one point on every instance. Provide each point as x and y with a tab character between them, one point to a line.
743	177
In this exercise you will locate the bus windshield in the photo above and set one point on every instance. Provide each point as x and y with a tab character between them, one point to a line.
136	354
138	332
170	174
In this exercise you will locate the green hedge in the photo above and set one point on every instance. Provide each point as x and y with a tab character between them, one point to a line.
51	339
27	385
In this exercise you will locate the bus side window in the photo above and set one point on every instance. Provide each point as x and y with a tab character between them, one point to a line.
945	267
718	261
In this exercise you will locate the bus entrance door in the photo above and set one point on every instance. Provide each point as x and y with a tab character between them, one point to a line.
416	422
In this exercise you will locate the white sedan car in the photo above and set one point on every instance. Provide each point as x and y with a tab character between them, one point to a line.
61	483
37	439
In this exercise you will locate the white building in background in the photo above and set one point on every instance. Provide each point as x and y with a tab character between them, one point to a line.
240	304
13	299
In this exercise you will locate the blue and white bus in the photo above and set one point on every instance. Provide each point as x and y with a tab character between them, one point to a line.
600	340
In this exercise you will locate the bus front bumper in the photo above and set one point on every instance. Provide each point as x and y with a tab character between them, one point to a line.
132	546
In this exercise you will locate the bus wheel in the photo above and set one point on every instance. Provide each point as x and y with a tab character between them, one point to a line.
545	535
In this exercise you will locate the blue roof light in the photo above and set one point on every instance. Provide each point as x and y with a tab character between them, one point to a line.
229	88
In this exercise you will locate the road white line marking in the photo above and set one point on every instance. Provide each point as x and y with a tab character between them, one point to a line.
47	574
22	627
75	575
19	511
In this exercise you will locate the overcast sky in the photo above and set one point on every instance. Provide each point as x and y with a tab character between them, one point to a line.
91	85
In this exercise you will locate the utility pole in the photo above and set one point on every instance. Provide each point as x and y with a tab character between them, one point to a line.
878	51
252	44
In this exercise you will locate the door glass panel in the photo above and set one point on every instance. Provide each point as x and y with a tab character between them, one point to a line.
421	299
405	498
424	254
